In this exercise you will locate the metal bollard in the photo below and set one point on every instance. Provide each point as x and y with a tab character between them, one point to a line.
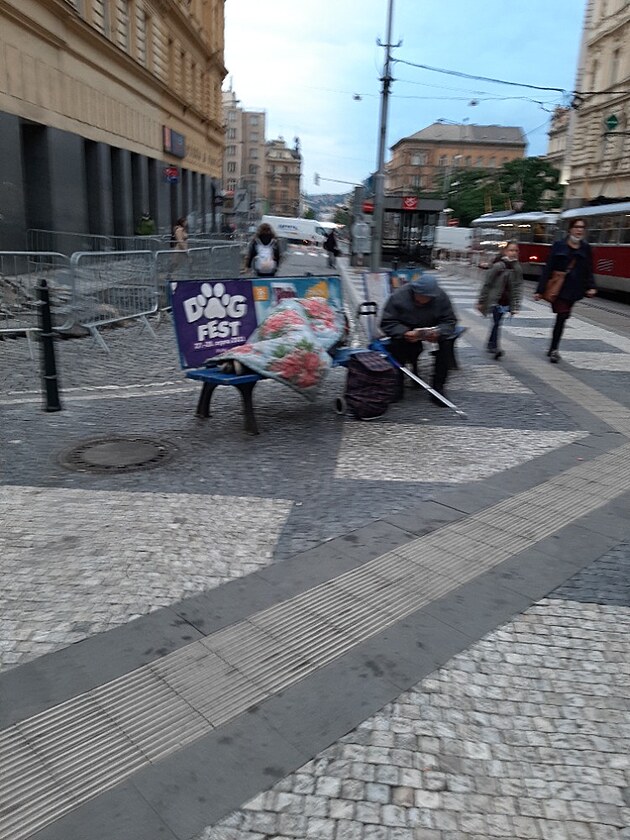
48	363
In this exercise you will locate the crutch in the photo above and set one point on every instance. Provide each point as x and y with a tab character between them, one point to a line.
369	309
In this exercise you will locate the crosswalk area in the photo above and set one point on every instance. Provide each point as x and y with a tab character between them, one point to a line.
585	346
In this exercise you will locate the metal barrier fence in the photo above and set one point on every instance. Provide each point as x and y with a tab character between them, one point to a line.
111	287
65	242
20	273
94	288
220	262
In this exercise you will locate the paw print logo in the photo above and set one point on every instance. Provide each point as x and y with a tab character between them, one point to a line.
214	303
213	300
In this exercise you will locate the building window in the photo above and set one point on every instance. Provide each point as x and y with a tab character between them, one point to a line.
253	169
442	160
231	185
468	161
419	159
492	162
100	16
254	136
231	116
253	153
480	160
231	167
230	151
614	66
253	119
143	27
231	134
122	25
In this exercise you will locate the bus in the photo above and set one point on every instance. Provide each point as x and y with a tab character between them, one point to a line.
534	232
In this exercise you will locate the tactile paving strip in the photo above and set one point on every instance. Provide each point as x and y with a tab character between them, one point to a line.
66	755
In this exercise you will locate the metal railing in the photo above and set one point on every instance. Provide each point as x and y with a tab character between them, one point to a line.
20	273
66	242
219	262
112	287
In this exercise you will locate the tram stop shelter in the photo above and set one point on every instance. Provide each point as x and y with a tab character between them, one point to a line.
409	229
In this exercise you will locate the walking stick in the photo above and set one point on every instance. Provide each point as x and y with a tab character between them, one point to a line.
369	309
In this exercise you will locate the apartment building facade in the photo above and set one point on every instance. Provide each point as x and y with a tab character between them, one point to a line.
244	175
422	162
558	135
108	109
284	173
599	134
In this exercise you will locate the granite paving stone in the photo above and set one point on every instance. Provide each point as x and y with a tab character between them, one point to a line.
523	734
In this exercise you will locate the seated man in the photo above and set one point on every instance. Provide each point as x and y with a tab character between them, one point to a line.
421	311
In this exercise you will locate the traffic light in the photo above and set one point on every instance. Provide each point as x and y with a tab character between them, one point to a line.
316	179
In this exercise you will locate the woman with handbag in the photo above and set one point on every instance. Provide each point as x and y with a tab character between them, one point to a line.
566	278
501	293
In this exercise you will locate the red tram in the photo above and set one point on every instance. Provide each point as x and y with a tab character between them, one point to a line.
608	231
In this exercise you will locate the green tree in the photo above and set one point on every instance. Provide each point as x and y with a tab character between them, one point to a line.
309	214
525	185
342	216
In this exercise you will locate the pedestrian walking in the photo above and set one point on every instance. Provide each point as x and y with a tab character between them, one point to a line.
566	278
179	244
332	248
361	245
179	238
421	311
264	252
501	294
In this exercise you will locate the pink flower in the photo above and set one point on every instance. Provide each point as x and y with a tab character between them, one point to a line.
302	368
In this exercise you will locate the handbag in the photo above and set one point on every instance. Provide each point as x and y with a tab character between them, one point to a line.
555	283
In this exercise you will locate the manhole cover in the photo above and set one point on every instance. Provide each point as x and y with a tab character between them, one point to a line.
117	454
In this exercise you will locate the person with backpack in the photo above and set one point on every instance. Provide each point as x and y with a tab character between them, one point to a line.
264	252
421	311
501	293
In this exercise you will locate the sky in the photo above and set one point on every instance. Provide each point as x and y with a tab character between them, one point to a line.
304	63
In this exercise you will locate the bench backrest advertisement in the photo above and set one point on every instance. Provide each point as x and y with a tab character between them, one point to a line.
213	316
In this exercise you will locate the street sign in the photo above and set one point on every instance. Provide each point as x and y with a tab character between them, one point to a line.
170	174
409	202
611	122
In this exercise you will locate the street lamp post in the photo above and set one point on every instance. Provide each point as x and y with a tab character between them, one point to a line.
379	178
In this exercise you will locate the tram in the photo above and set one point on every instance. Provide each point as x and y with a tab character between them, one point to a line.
534	232
608	231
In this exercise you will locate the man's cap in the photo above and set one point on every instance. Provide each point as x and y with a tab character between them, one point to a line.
426	284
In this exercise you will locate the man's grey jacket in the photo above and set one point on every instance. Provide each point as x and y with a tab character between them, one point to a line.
402	313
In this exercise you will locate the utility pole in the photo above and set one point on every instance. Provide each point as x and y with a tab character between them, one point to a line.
379	178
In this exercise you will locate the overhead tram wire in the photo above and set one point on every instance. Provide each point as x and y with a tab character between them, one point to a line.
479	78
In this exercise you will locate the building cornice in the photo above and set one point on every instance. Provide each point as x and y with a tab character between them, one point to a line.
59	7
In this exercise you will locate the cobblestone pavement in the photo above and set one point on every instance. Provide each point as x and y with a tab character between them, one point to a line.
525	734
310	475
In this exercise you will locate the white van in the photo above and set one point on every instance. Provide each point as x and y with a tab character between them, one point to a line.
297	231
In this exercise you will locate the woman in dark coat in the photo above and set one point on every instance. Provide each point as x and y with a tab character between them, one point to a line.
574	256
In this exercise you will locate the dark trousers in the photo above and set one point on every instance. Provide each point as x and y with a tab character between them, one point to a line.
493	338
562	309
407	352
